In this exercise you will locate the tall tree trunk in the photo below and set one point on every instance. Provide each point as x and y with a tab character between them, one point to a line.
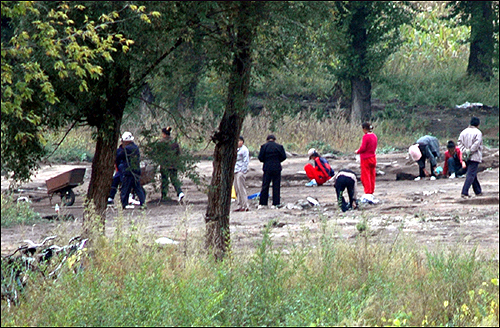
361	87
361	108
108	132
482	41
226	138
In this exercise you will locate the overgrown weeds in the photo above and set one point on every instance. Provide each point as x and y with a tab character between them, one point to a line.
132	281
14	213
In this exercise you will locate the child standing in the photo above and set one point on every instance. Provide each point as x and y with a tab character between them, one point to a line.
368	160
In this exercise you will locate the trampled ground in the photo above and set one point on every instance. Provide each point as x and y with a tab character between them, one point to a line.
431	212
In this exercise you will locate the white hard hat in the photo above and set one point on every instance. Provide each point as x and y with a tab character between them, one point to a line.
127	136
311	152
415	152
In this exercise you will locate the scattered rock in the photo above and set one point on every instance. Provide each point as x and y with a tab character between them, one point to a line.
166	241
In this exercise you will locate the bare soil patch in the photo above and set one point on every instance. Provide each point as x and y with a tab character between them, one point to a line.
430	212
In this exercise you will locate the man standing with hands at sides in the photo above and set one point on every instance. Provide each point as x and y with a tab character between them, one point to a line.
368	160
168	168
240	172
470	143
271	154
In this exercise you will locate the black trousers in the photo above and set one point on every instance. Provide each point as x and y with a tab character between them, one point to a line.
421	167
275	178
130	182
341	185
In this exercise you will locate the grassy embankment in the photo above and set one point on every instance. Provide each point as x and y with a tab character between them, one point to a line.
330	282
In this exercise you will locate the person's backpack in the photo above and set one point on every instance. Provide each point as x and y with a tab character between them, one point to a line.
325	167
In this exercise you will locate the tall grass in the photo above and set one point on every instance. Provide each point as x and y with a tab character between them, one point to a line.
14	213
129	282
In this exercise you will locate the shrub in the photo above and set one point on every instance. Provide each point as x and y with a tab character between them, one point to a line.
14	213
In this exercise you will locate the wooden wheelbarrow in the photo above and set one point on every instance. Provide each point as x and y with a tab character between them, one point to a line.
63	185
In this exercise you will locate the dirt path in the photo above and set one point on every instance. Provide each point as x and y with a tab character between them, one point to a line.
431	212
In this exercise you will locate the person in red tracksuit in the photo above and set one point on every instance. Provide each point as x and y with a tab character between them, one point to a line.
368	159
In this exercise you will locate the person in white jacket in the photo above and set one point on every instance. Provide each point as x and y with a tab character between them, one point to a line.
240	172
470	143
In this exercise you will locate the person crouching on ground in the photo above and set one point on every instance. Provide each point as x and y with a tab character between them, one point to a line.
368	160
240	172
131	159
320	171
342	180
453	163
426	147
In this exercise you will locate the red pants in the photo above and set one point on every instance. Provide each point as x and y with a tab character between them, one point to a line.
313	173
368	174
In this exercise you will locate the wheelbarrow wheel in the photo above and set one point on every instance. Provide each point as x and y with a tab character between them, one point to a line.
67	197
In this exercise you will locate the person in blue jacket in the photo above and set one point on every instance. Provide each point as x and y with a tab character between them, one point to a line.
129	161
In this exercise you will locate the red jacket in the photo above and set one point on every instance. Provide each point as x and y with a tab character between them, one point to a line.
368	146
447	156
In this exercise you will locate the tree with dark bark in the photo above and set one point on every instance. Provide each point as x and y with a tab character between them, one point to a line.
87	77
244	20
363	34
481	16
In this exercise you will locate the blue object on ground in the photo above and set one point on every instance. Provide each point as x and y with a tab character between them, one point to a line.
257	194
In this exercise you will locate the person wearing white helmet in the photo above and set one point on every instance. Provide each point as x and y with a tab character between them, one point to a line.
130	160
426	148
319	171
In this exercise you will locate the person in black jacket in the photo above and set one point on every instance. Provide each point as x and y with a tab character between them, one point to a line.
130	159
271	154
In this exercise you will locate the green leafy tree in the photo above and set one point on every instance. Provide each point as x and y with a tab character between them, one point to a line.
363	34
69	63
482	17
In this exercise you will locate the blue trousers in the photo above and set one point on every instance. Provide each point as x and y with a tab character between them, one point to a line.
129	182
471	179
117	179
455	167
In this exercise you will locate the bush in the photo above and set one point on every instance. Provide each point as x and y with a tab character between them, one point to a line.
14	213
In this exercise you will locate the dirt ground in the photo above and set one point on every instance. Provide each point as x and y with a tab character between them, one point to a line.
431	212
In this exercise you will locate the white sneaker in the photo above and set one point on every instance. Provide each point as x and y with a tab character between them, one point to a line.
129	207
181	196
417	179
433	178
260	207
132	201
452	176
369	197
312	183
